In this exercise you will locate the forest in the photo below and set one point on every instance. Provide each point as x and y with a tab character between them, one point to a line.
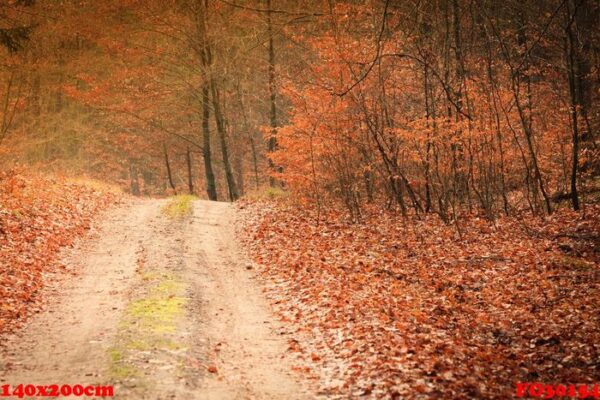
432	107
413	185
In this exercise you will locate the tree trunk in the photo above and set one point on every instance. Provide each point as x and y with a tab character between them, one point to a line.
188	158
526	118
207	61
254	162
239	169
168	165
272	143
250	133
211	187
428	146
133	178
574	77
231	185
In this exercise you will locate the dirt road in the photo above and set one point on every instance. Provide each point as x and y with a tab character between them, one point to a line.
162	307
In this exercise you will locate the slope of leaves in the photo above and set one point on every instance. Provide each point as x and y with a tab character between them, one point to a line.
38	216
399	308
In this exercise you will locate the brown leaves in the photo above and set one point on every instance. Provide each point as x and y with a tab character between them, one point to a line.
38	216
407	309
212	369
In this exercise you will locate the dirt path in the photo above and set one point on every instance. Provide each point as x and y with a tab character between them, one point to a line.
164	307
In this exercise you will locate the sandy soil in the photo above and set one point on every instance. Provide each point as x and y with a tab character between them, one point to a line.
162	308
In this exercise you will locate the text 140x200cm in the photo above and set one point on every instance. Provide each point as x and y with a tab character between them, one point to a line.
30	390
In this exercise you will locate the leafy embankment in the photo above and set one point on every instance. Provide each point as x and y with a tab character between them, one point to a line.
38	216
399	308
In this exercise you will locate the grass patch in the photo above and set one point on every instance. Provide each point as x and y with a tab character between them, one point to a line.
122	371
149	343
115	355
157	315
179	206
118	368
158	311
148	324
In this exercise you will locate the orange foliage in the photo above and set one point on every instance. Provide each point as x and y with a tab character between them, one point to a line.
382	121
399	309
39	215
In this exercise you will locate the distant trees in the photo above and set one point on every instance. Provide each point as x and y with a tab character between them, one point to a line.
14	30
443	106
14	34
446	106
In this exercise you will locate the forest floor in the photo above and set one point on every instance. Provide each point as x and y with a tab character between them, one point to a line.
161	305
160	300
394	307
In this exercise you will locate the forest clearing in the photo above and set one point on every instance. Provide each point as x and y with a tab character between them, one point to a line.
277	199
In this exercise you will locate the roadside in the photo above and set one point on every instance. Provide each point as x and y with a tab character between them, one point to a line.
164	307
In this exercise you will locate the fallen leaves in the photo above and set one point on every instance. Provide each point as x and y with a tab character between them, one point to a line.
406	308
38	216
212	369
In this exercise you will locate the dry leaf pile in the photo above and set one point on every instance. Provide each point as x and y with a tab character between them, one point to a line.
38	216
413	309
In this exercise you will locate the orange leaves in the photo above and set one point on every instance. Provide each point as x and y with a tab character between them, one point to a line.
38	216
372	111
212	369
409	309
